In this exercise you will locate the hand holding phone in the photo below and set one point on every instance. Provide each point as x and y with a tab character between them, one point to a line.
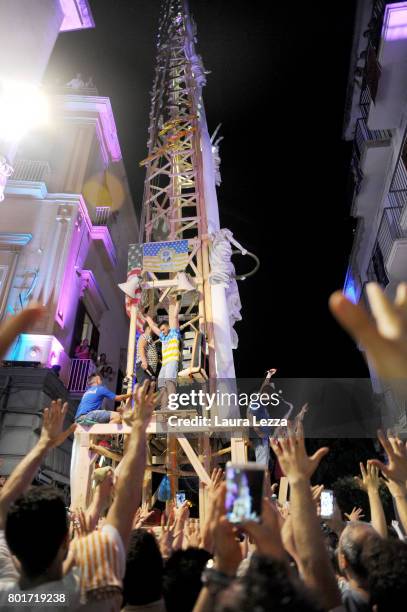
327	504
244	491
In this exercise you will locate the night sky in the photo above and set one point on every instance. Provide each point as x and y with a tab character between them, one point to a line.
278	81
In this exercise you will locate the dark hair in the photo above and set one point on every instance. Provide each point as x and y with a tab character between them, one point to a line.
182	578
266	586
93	376
142	582
386	567
36	526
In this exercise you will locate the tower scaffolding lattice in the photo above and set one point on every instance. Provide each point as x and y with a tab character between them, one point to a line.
179	202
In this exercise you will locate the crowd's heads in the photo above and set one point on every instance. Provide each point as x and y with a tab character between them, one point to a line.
386	568
265	586
95	379
182	578
37	531
142	582
351	544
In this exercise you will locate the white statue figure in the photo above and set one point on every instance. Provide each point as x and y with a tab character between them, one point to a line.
6	170
223	273
216	156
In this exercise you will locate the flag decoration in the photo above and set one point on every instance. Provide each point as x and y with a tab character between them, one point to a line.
165	256
134	268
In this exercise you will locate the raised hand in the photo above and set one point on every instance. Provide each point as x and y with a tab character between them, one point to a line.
192	534
385	337
396	468
266	534
53	420
228	554
316	491
13	326
292	456
355	515
145	400
142	515
167	535
370	477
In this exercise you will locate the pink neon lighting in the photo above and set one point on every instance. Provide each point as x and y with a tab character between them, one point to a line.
395	22
78	15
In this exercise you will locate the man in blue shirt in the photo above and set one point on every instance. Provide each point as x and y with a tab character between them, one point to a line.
92	400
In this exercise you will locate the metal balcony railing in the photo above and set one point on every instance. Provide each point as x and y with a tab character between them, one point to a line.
31	170
102	215
390	230
376	271
363	134
72	91
79	374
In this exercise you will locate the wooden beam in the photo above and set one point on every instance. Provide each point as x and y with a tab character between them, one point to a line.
193	459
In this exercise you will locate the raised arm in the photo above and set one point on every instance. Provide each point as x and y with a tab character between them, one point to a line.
395	471
370	483
130	480
153	325
317	571
173	312
23	475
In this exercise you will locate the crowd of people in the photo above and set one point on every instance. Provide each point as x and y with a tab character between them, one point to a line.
108	557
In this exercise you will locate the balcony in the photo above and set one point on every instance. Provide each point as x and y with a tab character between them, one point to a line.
392	239
30	177
370	158
79	374
102	222
388	68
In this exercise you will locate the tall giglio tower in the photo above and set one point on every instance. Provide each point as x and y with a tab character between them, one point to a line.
180	223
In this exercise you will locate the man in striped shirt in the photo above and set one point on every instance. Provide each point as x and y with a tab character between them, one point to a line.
170	336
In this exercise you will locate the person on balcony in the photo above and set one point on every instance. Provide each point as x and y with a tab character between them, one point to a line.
82	351
170	336
90	407
147	357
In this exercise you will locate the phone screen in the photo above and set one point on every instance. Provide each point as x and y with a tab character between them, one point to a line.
244	492
327	504
180	498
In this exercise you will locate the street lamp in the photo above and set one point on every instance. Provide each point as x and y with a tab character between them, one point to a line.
22	107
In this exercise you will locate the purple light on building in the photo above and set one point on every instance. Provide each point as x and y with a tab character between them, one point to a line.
77	15
395	22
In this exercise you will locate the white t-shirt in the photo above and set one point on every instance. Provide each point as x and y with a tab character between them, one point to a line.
73	591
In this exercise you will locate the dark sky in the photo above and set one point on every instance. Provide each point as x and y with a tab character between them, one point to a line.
278	81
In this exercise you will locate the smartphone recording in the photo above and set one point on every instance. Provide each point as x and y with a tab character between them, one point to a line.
244	491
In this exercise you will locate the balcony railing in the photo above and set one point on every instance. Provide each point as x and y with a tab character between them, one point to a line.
72	91
31	170
363	134
390	230
102	215
79	374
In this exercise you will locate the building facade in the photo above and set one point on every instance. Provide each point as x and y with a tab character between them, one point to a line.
376	121
66	221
